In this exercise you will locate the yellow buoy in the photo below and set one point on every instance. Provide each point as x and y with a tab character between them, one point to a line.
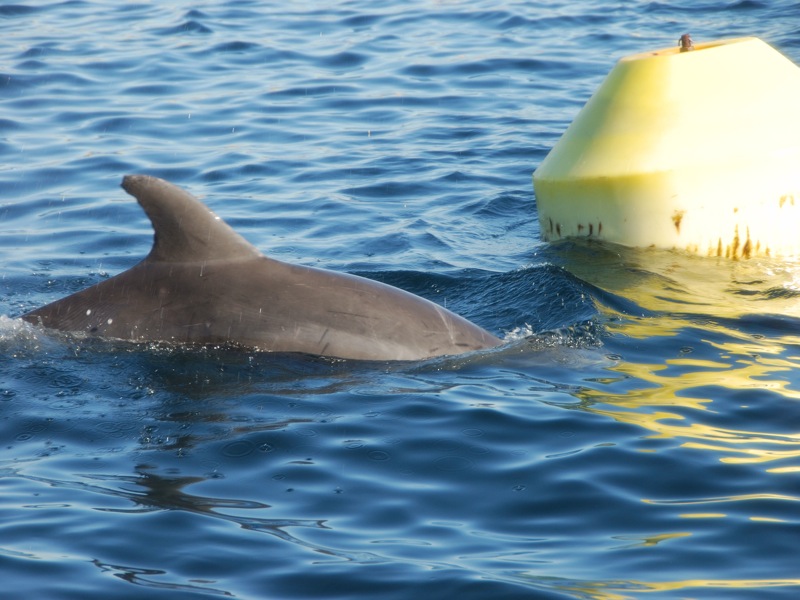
694	148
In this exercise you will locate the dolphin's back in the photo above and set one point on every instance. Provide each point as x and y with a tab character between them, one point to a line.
203	283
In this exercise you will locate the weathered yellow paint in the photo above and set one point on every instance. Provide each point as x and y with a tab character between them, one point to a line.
697	151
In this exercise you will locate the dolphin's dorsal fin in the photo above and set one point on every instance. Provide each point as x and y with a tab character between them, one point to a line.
185	229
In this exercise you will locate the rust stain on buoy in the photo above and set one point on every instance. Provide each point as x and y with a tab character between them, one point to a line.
677	217
748	246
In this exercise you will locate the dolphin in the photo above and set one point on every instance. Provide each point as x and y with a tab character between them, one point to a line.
202	283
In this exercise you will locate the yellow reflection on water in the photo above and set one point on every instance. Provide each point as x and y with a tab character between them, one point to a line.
635	406
737	498
740	323
784	470
652	540
621	590
668	282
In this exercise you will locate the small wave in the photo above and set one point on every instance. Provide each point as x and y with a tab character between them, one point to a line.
16	10
519	333
587	334
18	337
11	328
187	27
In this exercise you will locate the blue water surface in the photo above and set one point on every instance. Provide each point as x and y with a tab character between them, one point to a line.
638	435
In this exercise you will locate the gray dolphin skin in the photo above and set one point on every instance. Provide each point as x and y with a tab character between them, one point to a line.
203	283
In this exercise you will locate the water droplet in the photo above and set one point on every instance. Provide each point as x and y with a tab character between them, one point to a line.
472	432
379	455
238	449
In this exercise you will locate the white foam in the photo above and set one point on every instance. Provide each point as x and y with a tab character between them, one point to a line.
19	337
519	333
11	328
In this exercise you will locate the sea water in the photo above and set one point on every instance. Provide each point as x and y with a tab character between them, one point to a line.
638	434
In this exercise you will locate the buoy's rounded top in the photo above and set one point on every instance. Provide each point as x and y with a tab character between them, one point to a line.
725	101
686	44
